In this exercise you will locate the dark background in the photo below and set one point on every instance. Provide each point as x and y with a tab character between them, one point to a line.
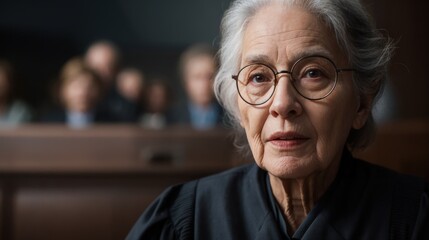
39	36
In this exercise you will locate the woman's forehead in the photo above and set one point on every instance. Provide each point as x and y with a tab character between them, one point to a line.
275	19
278	33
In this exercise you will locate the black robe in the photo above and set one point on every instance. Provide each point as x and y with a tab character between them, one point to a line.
364	202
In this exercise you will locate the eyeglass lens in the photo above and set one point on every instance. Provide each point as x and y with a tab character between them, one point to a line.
312	77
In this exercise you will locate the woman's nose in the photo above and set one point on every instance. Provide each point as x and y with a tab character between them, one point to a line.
285	99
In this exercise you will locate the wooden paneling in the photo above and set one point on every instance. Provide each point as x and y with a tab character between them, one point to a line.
58	183
111	148
83	208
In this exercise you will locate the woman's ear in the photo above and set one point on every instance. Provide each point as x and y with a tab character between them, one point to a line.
362	113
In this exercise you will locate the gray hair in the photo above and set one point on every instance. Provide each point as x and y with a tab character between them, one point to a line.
368	52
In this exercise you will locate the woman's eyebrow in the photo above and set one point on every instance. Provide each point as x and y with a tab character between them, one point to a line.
306	52
312	52
259	58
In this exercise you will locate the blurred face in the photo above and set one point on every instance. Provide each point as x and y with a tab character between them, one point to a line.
80	93
198	77
290	136
130	85
102	59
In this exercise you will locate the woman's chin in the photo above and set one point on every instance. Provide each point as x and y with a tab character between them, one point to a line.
289	167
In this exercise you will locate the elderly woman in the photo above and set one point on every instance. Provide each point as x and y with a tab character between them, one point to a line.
305	74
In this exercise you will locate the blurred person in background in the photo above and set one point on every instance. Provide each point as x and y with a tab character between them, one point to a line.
156	105
197	68
79	92
126	104
12	111
103	57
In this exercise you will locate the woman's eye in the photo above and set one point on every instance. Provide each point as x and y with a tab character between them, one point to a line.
259	78
313	73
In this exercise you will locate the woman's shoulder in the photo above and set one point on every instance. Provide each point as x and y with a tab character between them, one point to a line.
383	175
214	184
382	180
172	213
404	197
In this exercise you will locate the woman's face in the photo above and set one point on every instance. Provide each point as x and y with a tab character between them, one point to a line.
80	93
290	136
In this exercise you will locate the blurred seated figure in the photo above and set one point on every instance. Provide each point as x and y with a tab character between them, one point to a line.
126	103
103	57
198	67
156	105
12	111
79	92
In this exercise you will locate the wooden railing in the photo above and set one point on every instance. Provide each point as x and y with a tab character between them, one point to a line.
58	183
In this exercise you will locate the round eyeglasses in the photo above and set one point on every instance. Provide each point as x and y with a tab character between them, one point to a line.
313	77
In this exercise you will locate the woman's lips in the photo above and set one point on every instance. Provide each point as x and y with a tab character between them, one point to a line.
287	140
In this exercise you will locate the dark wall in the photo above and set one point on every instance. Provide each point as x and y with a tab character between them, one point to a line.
39	36
407	23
